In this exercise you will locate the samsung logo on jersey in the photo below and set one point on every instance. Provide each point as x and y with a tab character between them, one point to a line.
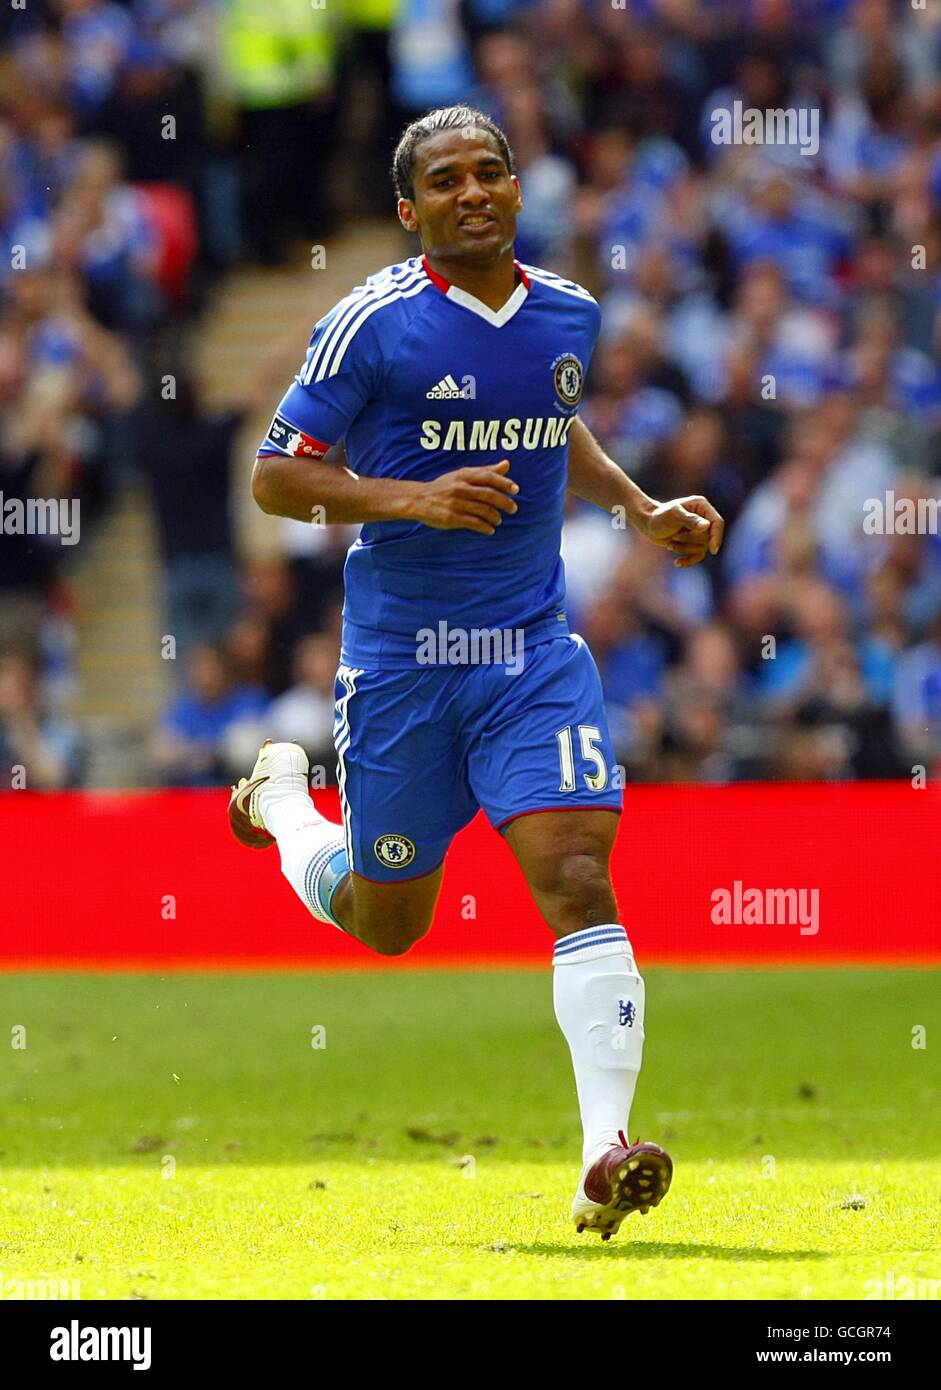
496	434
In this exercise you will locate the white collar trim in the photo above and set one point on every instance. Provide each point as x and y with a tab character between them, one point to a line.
495	317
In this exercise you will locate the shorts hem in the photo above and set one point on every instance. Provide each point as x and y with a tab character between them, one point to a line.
536	810
406	878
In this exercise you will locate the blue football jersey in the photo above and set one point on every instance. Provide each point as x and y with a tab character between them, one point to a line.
419	378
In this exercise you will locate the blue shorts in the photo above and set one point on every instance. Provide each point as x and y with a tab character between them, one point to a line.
420	750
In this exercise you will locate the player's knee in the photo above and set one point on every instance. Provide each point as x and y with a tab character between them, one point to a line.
392	948
393	937
394	945
579	882
389	918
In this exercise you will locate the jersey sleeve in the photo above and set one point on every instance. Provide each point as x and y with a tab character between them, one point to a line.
341	372
594	326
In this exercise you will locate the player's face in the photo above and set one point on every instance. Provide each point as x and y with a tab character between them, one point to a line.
466	199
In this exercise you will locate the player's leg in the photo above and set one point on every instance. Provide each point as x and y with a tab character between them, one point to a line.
597	989
599	1003
565	857
387	917
376	875
274	805
544	771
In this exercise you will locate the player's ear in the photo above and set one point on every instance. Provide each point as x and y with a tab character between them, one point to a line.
406	210
519	193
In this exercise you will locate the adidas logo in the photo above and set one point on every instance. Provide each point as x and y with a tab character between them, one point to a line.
447	389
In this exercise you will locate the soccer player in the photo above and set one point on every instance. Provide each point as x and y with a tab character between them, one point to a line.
453	381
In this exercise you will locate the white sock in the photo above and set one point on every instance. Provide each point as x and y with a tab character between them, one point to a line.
599	1003
313	849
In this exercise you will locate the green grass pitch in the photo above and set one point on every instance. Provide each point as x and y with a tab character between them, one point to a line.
179	1137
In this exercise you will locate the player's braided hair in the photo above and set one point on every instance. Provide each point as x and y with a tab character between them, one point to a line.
442	118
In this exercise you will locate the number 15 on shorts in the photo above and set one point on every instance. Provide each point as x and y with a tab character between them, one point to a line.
588	736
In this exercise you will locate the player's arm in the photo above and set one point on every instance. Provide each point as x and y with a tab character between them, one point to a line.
340	377
688	526
472	499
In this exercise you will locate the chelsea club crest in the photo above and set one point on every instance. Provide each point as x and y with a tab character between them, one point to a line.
567	377
395	851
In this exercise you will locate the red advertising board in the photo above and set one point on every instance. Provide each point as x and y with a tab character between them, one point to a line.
154	880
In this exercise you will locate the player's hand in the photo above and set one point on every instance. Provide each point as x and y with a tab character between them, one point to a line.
689	526
469	499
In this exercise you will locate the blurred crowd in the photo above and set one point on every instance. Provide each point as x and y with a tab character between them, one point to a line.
770	339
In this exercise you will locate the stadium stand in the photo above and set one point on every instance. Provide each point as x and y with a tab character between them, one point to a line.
770	338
